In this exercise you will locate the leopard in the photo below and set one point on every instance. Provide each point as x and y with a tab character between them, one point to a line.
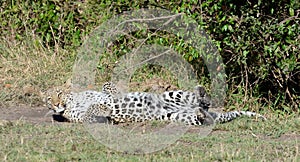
74	106
112	106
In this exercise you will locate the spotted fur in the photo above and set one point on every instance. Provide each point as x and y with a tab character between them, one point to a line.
111	106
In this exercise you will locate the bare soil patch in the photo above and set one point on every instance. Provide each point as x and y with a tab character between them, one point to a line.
36	115
27	113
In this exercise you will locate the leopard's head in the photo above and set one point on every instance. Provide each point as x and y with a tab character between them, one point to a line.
55	101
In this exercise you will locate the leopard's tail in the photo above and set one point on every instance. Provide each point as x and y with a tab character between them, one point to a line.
231	115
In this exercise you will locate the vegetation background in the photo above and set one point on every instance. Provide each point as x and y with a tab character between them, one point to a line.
259	41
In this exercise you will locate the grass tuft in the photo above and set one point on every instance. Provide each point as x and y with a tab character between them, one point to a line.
28	67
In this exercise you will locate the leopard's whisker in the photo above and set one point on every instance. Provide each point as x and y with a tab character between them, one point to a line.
49	112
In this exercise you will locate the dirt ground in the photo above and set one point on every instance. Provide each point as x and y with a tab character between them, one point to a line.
26	113
37	115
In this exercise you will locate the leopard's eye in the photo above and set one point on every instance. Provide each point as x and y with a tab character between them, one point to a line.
47	99
58	93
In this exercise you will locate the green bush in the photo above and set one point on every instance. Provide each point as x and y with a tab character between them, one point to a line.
258	40
260	45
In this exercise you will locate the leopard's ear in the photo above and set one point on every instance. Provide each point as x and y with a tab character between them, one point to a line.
68	83
43	95
55	97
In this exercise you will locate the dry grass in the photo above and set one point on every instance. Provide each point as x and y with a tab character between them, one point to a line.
28	67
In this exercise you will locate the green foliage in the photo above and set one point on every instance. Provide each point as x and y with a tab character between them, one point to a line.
258	40
260	46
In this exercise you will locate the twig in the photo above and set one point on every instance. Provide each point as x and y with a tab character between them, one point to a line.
290	18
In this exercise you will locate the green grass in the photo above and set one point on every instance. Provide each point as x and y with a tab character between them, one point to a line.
30	65
240	140
23	76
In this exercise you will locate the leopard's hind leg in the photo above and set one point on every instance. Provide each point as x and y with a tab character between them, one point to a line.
97	113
